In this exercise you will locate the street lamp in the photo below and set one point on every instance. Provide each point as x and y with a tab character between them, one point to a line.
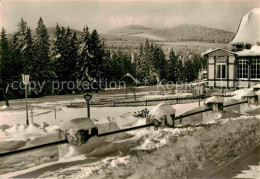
26	82
88	98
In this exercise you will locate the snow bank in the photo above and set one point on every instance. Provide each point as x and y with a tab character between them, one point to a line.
253	172
27	159
249	93
257	86
21	136
214	99
95	146
22	132
238	94
3	107
189	151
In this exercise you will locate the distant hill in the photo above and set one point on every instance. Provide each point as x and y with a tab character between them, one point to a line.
182	38
129	30
186	32
180	33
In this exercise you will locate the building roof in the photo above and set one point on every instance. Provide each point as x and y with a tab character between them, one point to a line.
249	29
254	51
214	50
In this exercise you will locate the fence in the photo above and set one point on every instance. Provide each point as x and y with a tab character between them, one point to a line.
147	102
118	131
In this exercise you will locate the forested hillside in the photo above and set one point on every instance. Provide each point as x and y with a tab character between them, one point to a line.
184	33
64	56
180	33
129	30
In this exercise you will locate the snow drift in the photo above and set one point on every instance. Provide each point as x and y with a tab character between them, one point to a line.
95	146
186	150
161	110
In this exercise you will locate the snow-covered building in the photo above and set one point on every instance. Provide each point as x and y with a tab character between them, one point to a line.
239	66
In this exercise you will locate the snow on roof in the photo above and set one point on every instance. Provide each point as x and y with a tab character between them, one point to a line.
249	28
254	51
210	51
162	109
214	99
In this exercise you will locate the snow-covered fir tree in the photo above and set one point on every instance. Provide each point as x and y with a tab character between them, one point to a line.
43	69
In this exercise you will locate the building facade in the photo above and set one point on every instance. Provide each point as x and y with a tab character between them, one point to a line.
239	66
228	69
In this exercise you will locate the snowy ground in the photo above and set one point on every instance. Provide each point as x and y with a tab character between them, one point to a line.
252	172
19	136
177	152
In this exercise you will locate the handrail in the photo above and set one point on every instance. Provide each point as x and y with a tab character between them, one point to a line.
33	148
205	110
190	114
125	130
228	105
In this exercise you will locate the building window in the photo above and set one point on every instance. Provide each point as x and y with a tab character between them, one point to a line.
221	68
255	69
242	68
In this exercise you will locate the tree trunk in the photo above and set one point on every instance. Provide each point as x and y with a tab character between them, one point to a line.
6	95
6	99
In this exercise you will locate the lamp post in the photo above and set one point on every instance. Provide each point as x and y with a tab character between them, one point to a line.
26	82
88	98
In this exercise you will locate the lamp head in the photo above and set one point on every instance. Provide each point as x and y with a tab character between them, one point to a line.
26	79
87	97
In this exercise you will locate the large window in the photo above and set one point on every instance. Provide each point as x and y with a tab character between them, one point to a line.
221	68
242	68
255	68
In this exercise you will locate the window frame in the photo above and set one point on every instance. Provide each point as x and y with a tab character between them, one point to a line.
221	61
256	70
240	74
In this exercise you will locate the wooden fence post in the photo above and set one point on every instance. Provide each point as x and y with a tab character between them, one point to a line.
55	113
32	115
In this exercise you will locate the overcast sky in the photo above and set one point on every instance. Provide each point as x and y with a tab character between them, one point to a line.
106	15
